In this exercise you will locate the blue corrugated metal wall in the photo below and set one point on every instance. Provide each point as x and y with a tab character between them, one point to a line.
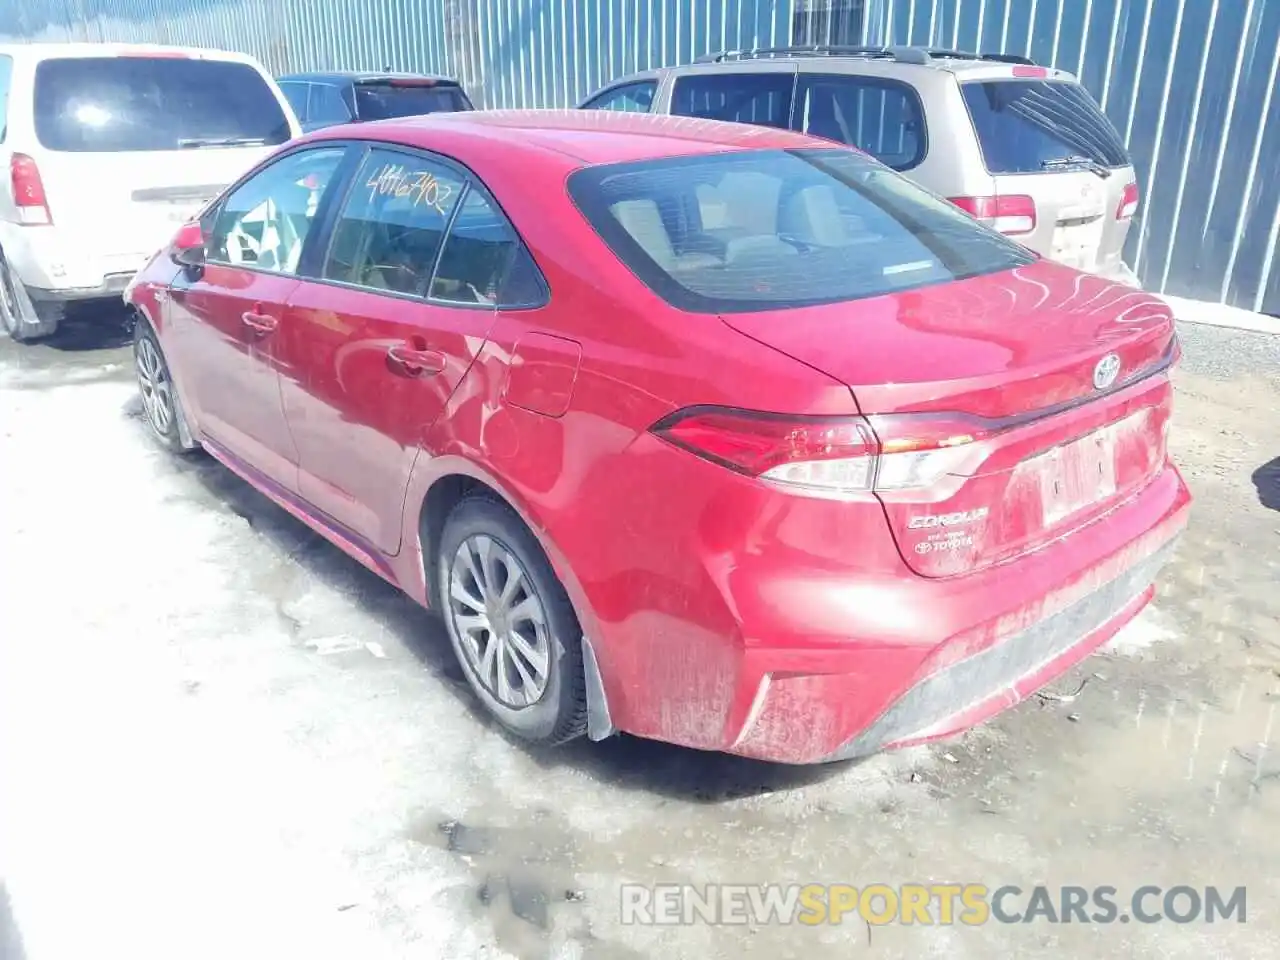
1190	83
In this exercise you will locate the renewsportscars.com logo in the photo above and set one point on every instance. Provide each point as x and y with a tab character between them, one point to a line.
942	904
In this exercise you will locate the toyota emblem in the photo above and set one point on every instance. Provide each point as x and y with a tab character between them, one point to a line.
1105	373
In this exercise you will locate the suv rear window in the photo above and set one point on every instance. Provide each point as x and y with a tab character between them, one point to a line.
114	104
1023	124
768	229
382	101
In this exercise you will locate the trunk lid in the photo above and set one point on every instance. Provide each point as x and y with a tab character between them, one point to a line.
1055	373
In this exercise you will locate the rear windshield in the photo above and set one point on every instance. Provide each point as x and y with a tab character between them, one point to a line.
767	229
114	104
1026	125
383	101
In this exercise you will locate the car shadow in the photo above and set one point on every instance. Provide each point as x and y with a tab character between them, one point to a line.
1266	479
11	947
629	762
92	326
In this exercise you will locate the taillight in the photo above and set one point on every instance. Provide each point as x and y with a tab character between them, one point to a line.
28	191
1011	215
1128	203
829	454
1026	70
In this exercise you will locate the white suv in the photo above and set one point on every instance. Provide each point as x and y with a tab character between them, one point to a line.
105	149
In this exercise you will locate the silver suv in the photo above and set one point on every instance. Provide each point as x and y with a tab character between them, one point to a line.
1021	147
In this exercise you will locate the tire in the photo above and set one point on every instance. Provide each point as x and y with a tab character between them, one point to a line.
546	713
24	319
161	405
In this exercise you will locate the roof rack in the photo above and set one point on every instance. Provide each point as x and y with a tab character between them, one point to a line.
902	54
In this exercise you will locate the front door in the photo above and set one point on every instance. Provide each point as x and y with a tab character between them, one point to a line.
225	317
379	339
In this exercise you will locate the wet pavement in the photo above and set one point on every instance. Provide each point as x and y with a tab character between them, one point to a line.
220	736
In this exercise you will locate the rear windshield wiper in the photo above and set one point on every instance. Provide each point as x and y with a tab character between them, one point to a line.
188	143
1077	163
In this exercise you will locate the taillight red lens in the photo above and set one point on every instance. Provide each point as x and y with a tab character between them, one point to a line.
28	191
1012	215
1030	71
830	454
1128	203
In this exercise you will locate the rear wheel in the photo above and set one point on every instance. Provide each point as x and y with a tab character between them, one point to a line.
511	623
160	403
24	319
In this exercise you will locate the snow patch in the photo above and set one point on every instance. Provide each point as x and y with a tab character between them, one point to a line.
1145	630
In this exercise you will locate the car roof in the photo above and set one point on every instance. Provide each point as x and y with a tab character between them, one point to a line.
584	136
362	76
45	51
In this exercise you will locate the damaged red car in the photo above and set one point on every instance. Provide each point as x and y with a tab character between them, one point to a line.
707	433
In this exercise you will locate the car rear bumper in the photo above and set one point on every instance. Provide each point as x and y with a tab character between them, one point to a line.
1001	635
57	264
919	658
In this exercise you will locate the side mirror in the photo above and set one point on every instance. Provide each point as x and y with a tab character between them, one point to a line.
187	247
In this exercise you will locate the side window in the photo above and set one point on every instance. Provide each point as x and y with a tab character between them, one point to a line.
296	94
327	105
632	98
265	222
882	118
476	265
760	98
393	223
6	73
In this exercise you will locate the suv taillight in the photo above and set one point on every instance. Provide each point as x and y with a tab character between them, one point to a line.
28	191
829	454
1128	203
1011	215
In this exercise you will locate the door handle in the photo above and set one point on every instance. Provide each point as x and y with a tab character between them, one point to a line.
259	322
408	361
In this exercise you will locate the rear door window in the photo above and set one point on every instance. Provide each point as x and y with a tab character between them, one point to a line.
382	101
880	117
763	99
1024	126
478	258
393	223
631	98
769	229
115	104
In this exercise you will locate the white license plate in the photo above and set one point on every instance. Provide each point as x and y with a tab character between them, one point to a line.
1077	475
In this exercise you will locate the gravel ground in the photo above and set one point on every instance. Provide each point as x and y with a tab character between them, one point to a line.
220	737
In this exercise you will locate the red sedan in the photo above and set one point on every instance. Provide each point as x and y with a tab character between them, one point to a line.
713	434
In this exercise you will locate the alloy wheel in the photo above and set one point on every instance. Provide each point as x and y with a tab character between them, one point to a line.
499	621
156	388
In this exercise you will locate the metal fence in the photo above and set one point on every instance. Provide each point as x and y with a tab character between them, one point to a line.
1190	83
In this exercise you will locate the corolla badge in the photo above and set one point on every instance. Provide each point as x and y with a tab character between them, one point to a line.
1105	373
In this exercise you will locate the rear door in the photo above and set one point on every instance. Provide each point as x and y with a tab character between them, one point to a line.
131	146
1047	140
378	339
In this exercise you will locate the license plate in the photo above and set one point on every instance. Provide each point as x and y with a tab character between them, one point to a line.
1077	475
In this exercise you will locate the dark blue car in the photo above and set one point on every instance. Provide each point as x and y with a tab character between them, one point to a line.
325	99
